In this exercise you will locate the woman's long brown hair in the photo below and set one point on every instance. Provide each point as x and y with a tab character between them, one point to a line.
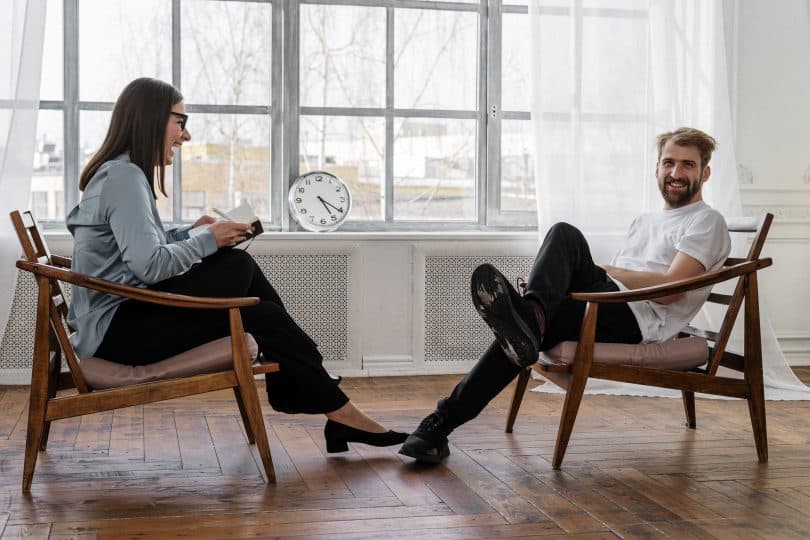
138	126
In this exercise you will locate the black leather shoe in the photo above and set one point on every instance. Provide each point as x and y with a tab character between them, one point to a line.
428	443
337	435
510	317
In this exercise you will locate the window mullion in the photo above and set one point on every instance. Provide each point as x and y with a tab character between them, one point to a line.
71	102
388	176
177	166
489	114
276	121
290	112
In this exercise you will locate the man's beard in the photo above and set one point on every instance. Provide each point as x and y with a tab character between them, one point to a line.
681	198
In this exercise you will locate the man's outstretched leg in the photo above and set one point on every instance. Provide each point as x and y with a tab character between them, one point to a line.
563	263
491	374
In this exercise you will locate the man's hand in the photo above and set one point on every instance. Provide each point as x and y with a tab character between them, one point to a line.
682	267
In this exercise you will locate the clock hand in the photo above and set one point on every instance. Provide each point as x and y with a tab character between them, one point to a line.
324	203
332	205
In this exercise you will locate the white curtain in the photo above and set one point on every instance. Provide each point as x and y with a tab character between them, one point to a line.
603	85
22	29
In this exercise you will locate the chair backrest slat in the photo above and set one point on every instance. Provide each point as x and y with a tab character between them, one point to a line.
35	249
759	225
718	298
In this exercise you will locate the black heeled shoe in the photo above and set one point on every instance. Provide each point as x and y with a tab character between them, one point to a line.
337	435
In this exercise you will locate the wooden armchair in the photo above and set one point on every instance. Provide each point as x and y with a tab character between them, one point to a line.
633	363
102	385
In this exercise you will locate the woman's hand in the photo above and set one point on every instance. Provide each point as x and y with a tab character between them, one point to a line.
204	220
229	233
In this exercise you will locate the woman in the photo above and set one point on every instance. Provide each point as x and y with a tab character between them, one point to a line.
119	236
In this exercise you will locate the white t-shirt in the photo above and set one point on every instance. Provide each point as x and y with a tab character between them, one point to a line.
653	242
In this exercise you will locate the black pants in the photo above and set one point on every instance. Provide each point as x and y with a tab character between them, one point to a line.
563	265
142	333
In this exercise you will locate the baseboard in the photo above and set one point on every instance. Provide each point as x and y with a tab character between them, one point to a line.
15	377
796	347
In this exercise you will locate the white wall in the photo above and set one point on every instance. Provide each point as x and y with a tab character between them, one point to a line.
773	149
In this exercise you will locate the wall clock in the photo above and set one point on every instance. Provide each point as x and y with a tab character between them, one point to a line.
319	201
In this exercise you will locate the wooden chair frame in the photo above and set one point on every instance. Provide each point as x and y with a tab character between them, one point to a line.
51	344
574	377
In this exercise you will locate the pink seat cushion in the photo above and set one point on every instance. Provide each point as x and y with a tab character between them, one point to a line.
207	358
680	354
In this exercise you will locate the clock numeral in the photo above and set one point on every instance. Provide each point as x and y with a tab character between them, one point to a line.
337	190
298	199
303	210
343	199
319	178
323	222
334	217
300	190
308	181
312	219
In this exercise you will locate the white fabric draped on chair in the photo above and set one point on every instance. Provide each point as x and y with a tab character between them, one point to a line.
22	30
632	73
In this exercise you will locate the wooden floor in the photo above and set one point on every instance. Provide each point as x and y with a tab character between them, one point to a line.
183	469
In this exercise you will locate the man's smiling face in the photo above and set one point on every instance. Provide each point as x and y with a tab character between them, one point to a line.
680	175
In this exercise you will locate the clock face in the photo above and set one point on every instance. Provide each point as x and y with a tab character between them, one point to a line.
319	201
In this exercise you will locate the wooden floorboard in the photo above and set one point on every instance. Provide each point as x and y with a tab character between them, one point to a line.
183	468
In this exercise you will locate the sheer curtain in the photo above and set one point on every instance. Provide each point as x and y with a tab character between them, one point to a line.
22	27
626	75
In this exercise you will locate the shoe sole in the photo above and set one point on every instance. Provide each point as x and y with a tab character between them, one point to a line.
490	295
426	458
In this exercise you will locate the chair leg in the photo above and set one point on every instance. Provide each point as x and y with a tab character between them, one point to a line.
573	397
33	438
753	369
40	375
250	397
689	408
245	422
53	384
256	421
517	398
756	409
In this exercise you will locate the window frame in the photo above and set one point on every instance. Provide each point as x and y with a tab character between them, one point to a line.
285	112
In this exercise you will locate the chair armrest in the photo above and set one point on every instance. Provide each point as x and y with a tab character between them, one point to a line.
135	293
64	262
676	287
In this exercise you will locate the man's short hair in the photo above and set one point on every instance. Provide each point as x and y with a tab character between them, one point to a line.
685	136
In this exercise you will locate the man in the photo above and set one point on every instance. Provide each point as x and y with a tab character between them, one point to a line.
683	240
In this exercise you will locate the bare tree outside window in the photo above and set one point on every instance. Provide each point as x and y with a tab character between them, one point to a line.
342	65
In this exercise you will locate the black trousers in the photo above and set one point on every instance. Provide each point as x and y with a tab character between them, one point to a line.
142	333
562	265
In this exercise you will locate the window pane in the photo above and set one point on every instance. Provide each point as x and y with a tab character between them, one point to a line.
51	85
120	41
227	162
515	73
602	59
353	148
342	56
555	63
435	59
226	52
434	169
48	178
92	129
617	4
517	166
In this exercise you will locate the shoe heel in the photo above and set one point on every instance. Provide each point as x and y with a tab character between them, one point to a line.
333	447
